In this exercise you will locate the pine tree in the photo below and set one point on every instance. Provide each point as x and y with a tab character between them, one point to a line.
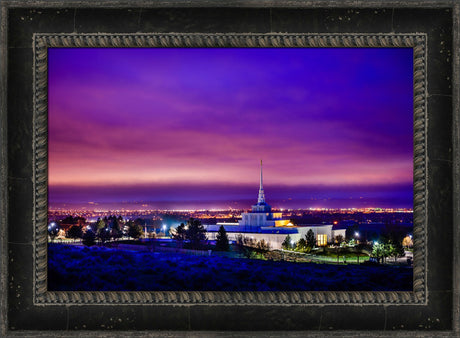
103	234
286	245
222	240
116	229
101	224
180	233
398	249
301	245
262	246
196	233
89	238
310	238
339	239
135	230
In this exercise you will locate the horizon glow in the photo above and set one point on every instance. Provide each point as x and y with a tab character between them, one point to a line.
179	125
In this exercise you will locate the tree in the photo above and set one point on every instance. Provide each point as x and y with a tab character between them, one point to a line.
392	244
53	231
101	224
286	245
407	242
301	245
134	230
397	250
262	246
180	234
196	233
116	229
387	250
75	232
222	240
240	244
103	234
339	239
310	238
378	251
89	238
243	248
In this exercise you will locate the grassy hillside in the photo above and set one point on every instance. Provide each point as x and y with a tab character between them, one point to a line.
84	269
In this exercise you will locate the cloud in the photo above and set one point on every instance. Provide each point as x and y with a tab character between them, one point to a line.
318	116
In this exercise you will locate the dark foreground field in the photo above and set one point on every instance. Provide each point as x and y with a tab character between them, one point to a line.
94	269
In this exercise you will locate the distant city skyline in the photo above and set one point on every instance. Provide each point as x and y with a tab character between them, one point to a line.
187	127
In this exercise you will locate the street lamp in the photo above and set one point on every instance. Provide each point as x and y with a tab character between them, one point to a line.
357	252
164	229
53	230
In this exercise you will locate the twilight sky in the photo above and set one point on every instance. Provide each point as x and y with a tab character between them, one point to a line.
177	127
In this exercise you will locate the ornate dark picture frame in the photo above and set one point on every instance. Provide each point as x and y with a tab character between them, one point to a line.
42	42
30	28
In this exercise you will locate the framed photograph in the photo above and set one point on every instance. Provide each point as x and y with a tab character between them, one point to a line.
220	169
160	179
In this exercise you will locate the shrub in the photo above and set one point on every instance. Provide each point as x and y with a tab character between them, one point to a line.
75	232
134	230
89	238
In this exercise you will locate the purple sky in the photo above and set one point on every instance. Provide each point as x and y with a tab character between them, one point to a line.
189	126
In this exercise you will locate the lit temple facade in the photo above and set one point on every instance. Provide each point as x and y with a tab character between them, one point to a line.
261	223
261	214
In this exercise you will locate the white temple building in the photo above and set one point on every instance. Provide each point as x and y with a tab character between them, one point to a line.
261	223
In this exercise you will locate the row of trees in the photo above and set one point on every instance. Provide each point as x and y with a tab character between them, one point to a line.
191	235
302	245
250	248
103	231
388	246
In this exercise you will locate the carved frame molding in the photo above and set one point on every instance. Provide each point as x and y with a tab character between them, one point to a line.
41	43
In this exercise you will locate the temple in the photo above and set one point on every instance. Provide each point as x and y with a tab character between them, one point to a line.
263	224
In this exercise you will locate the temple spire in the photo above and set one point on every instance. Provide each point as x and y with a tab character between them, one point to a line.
261	199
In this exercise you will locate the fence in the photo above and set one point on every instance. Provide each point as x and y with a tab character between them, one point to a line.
160	248
299	256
